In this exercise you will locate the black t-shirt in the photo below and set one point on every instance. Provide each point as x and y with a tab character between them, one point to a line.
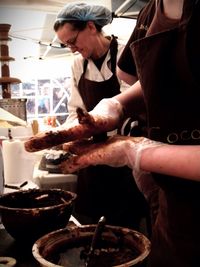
98	62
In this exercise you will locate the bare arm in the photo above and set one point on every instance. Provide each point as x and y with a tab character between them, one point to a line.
132	100
173	8
180	161
124	76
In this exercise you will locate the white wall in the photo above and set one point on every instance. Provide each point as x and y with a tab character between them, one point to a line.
28	69
32	67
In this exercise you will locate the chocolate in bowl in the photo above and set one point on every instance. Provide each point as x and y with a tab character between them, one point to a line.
118	247
30	214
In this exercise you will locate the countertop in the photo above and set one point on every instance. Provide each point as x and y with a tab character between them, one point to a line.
11	248
20	251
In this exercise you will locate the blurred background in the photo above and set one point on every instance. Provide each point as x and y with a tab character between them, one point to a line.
40	63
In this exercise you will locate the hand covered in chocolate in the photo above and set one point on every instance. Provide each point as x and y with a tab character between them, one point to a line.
106	116
117	151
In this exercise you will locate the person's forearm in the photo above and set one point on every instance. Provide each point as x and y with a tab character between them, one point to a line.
132	100
180	161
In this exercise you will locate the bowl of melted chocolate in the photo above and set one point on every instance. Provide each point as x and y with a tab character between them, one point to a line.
30	214
117	247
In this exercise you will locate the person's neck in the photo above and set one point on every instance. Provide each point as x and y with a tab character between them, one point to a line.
173	8
101	47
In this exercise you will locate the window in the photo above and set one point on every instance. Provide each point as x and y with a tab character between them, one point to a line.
45	97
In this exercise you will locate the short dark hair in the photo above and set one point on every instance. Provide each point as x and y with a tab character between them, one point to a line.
76	24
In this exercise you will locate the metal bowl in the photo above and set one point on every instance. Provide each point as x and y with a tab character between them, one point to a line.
29	214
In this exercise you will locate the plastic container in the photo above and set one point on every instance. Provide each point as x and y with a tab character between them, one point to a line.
61	181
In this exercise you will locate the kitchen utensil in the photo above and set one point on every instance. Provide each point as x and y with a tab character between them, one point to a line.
96	237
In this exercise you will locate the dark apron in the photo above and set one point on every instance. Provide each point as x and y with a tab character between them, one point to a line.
168	67
104	190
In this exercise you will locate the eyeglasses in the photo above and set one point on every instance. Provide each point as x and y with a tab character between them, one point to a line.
71	43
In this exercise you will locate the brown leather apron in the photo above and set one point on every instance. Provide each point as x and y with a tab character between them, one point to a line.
170	77
103	190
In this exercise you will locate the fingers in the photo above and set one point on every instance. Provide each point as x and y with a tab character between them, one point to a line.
71	165
84	117
88	126
114	152
67	146
76	163
88	153
79	147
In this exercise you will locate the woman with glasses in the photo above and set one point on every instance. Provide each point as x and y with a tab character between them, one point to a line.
102	190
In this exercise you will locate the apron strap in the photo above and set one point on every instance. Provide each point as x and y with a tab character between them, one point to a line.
113	53
85	63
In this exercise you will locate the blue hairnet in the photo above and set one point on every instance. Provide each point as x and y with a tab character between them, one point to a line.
84	12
